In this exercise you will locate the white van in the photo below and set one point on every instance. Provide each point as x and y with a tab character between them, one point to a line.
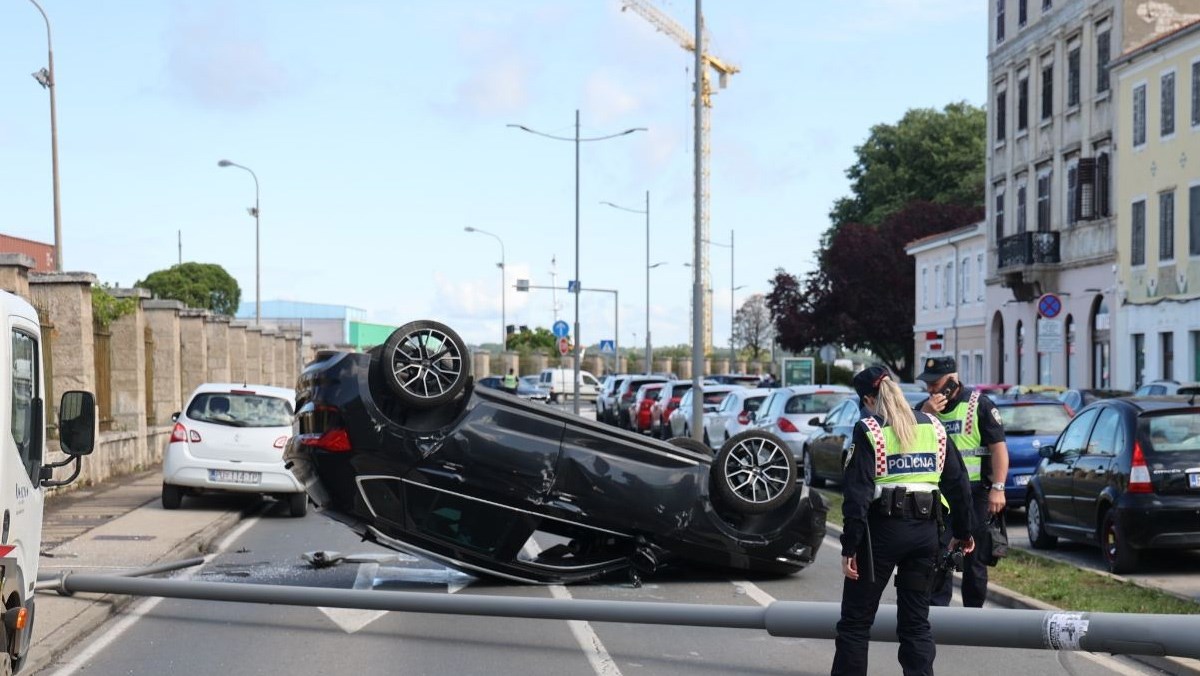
562	384
22	472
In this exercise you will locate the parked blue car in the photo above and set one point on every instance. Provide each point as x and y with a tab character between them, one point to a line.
1030	422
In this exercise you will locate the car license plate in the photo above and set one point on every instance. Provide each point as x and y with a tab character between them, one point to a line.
1194	480
231	476
1021	479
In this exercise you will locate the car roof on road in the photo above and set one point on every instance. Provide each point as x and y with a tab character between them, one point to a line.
269	390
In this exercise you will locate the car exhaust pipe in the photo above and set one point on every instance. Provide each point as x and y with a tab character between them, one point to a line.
1117	633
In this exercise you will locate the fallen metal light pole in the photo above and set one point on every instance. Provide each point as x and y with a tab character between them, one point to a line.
1030	629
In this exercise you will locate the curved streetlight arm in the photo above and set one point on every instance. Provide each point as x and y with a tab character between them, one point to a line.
257	241
574	139
47	20
618	206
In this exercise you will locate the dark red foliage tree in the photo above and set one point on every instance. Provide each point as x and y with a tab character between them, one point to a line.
862	296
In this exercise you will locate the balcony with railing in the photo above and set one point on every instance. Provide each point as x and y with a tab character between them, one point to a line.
1028	248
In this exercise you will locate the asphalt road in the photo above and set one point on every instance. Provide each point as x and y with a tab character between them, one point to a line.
175	636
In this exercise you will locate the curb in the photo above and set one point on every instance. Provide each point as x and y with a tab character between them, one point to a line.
1007	598
102	607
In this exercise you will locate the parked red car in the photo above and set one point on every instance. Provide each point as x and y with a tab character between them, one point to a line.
640	413
660	412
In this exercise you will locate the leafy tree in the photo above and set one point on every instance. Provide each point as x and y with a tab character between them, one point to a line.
862	294
752	325
199	285
929	155
538	339
107	308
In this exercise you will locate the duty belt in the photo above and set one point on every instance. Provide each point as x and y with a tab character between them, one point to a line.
975	452
898	502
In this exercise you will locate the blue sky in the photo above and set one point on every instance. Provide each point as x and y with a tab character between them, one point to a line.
377	130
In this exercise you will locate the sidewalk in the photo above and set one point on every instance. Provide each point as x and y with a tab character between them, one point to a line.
106	529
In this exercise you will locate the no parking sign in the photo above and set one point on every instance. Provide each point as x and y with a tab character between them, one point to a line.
1049	306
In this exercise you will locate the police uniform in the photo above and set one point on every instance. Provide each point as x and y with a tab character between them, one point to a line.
891	509
510	382
974	423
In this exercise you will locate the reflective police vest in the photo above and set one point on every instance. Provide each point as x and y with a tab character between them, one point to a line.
917	469
962	423
510	382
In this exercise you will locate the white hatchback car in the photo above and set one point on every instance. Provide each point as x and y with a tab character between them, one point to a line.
230	438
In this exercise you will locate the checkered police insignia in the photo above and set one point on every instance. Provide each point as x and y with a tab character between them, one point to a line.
929	364
940	432
880	442
849	455
972	408
996	417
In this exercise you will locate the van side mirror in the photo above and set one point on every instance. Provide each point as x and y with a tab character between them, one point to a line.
77	422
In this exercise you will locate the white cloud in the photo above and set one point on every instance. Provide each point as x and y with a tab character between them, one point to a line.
494	88
216	58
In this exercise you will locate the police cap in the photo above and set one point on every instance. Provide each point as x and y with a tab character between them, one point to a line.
866	381
936	367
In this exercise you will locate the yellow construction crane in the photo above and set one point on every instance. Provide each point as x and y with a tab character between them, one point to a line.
724	69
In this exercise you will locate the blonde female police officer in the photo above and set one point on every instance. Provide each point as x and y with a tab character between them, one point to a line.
895	478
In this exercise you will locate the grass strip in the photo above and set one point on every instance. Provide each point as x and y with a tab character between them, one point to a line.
1064	585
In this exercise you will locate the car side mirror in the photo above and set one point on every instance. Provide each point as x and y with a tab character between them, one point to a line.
710	408
815	421
175	416
1047	451
77	422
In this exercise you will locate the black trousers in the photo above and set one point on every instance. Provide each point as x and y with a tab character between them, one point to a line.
975	571
910	547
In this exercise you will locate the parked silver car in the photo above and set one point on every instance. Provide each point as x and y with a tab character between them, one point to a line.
795	413
681	418
735	414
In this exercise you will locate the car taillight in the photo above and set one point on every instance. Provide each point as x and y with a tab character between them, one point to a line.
786	425
280	442
335	440
1139	474
744	418
178	433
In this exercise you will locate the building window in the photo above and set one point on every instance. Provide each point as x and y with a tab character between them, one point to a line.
948	286
999	20
982	281
1001	114
1139	115
1168	355
1103	185
1047	91
1021	208
1047	4
1103	54
1167	99
1166	225
1196	94
1022	12
999	214
1023	103
965	293
1194	220
1138	255
1139	358
924	288
1043	201
1073	78
1072	191
1084	197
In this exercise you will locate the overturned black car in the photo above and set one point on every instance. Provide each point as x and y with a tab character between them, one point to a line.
400	445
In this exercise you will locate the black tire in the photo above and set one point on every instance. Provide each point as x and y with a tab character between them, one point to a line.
691	445
1035	525
425	364
172	496
810	471
754	472
297	504
1118	555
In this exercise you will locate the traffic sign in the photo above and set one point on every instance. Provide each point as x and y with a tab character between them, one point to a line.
828	353
1049	306
564	346
607	347
1050	335
573	286
561	330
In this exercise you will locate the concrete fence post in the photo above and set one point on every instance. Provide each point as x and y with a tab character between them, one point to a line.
65	300
254	338
282	362
193	348
14	273
217	339
166	395
237	352
266	356
128	369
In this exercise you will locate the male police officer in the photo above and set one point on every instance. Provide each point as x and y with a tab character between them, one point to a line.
510	382
973	422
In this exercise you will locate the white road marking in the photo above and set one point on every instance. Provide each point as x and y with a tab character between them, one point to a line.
351	620
369	575
597	655
111	634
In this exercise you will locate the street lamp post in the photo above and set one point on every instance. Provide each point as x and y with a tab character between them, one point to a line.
649	267
578	284
257	247
503	285
45	77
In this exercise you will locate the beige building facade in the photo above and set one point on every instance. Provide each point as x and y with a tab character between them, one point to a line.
1050	186
1158	207
950	299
